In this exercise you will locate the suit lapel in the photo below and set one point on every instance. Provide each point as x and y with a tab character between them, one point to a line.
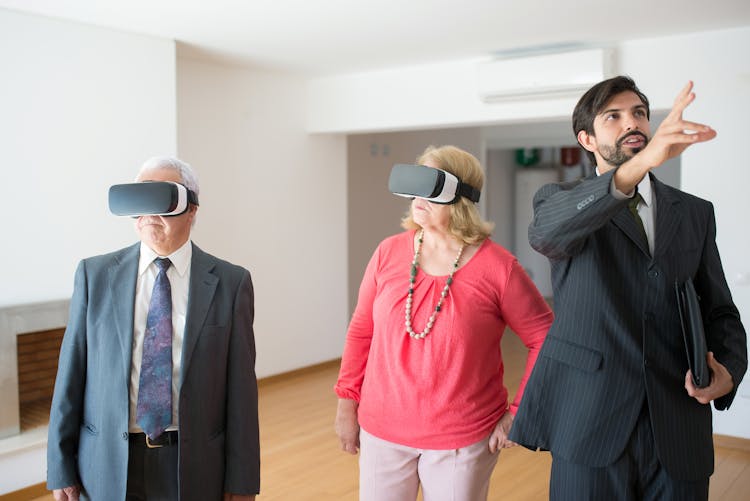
122	279
203	284
624	220
668	216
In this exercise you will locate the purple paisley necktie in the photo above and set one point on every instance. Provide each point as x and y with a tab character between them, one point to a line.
154	409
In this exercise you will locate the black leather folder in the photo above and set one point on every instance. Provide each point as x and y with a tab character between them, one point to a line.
692	332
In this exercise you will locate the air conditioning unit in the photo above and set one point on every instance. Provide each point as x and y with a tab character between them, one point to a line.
552	74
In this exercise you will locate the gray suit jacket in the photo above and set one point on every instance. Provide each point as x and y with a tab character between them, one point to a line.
616	341
218	413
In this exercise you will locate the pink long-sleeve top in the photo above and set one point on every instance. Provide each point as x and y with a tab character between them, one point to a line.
445	391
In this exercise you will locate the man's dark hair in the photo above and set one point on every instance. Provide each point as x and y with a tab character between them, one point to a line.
594	101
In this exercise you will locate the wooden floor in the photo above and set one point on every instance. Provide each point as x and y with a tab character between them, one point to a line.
301	459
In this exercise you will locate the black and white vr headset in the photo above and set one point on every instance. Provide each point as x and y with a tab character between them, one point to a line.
434	185
150	198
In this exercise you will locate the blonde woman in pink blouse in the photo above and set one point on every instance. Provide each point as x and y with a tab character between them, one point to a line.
420	389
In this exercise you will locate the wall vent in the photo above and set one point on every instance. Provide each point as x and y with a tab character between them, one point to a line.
544	75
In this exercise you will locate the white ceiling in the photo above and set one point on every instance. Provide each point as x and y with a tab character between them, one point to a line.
319	37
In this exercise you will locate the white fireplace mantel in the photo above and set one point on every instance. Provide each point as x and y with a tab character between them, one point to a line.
15	320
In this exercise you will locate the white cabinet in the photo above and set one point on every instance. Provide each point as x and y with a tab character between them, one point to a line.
528	181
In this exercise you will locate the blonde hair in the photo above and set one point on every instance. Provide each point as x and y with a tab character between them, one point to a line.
466	225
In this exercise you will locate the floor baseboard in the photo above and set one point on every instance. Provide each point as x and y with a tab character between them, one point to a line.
742	444
30	492
297	372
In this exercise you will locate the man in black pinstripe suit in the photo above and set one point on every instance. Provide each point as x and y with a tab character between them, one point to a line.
611	395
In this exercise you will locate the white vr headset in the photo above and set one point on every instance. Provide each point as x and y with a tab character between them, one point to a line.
150	198
433	185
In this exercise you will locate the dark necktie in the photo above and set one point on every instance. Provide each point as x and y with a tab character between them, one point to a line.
633	207
154	409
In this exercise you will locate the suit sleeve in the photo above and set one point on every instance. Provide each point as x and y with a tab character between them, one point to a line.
566	214
67	401
725	334
242	473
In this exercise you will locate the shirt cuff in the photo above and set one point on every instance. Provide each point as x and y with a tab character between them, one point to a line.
617	193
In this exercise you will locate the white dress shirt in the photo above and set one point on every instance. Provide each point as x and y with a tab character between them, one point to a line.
179	280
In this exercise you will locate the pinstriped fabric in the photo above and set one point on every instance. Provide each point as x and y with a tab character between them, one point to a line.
636	475
616	341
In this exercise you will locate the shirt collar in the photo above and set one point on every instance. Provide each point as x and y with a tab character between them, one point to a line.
644	188
180	258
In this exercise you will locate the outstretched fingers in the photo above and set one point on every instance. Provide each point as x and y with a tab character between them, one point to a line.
685	137
678	131
682	101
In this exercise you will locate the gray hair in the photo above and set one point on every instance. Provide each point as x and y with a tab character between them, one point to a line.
187	174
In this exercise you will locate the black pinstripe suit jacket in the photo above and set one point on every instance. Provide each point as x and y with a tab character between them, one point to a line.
616	340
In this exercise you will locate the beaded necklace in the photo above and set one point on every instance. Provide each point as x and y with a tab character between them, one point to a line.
412	280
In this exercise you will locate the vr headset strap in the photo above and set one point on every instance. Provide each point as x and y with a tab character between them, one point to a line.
468	191
192	197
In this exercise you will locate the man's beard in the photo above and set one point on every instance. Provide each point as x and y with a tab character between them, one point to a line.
617	155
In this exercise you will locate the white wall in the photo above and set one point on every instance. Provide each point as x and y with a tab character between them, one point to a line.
273	199
81	108
719	62
416	97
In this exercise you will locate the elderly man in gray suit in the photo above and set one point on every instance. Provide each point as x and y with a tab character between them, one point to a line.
611	395
127	425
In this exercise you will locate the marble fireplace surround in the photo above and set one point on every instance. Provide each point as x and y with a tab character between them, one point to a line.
15	320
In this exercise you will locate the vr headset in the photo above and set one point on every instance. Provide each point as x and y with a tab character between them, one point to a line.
150	198
434	185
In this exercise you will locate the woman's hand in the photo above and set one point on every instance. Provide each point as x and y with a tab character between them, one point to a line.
499	437
347	425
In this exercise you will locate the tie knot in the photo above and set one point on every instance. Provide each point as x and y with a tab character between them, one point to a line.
162	263
633	202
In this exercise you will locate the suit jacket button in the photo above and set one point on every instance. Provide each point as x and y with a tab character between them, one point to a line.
125	435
